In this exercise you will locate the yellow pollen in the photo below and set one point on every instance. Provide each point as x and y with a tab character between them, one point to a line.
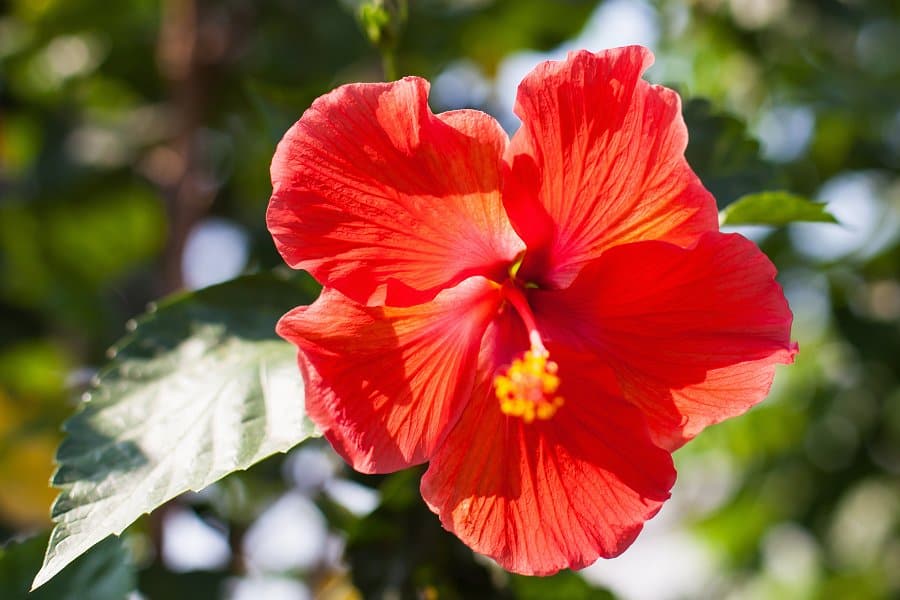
527	389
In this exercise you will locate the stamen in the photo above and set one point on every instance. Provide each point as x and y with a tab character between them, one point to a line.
527	389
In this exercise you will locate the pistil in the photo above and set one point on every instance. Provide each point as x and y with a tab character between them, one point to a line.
528	387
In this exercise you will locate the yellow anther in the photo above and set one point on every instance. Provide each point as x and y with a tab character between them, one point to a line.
527	389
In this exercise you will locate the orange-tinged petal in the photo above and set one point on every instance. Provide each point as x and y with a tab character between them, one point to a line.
385	384
599	161
386	202
693	335
550	494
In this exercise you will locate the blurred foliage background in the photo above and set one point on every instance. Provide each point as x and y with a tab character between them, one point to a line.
135	139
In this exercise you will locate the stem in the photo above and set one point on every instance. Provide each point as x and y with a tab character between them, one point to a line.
178	54
188	64
389	64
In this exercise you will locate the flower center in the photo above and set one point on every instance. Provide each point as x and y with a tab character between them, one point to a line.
528	387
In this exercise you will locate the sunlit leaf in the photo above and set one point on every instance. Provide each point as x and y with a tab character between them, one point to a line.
774	208
202	387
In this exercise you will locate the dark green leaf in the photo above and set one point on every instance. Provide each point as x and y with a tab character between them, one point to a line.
104	573
201	388
774	208
723	153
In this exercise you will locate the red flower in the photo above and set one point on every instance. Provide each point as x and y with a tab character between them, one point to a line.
543	319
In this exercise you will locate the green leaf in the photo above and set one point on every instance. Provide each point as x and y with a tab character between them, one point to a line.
382	20
104	573
773	208
202	387
562	586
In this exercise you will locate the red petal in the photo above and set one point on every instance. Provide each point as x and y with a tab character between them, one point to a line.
693	334
386	384
599	161
552	494
386	202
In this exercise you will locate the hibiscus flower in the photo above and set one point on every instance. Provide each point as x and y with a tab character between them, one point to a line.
542	319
